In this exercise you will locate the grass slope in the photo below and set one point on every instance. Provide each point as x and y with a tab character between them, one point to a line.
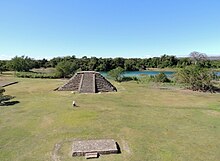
148	124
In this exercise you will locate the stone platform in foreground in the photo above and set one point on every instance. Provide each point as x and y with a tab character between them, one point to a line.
5	83
104	146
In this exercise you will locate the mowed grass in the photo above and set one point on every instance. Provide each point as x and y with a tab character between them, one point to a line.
148	123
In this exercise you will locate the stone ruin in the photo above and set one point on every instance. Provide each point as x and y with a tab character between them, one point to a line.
94	148
6	83
88	82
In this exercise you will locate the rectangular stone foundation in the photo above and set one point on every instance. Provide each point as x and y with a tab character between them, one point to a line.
104	146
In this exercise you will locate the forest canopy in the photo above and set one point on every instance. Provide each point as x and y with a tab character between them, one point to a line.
25	63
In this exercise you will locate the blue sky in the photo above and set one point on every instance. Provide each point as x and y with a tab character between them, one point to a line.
108	28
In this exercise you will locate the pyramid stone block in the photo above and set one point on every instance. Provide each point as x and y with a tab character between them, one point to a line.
88	82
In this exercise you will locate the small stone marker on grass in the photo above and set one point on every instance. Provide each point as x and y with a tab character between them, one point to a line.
91	155
94	148
74	103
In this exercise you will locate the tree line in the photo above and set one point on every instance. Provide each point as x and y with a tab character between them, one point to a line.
71	63
195	76
195	71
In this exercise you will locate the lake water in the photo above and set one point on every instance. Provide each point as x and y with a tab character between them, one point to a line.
139	73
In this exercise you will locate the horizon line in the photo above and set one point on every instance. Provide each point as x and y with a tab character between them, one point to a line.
5	57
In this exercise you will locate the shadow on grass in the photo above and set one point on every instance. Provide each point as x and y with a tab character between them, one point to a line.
118	147
10	103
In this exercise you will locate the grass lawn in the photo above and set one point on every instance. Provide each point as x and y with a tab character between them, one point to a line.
148	123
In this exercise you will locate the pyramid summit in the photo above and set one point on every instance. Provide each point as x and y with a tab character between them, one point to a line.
88	82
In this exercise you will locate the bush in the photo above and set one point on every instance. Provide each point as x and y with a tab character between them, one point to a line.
116	74
65	68
161	77
126	79
3	97
146	79
36	75
196	78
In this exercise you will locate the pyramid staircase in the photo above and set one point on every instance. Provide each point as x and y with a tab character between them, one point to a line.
87	83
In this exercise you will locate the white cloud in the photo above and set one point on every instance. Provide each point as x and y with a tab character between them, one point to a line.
5	57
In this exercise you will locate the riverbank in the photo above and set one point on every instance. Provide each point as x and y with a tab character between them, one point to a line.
162	69
173	69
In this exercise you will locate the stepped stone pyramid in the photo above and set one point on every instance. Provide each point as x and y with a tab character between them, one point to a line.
88	82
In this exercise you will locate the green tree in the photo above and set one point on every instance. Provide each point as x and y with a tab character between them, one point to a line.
196	78
65	68
92	64
118	62
20	64
182	62
2	66
116	74
130	65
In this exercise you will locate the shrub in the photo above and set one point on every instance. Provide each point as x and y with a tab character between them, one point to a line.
146	79
133	78
116	74
3	97
161	77
36	75
65	68
196	78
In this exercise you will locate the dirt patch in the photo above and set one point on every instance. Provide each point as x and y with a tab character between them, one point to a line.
125	147
169	88
55	156
46	122
212	113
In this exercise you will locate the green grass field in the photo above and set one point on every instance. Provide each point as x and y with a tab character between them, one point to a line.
148	123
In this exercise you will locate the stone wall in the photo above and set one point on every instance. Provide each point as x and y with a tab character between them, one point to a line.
103	85
72	84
